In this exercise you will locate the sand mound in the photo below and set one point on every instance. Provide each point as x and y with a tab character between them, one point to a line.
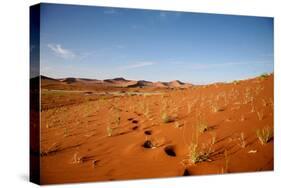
70	80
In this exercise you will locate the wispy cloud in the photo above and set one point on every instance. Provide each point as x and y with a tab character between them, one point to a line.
61	52
136	65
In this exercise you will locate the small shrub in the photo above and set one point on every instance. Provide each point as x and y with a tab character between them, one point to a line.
235	82
109	130
216	108
264	75
197	154
166	118
177	124
264	135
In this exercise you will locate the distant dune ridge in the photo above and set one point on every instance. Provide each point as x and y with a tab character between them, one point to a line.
119	82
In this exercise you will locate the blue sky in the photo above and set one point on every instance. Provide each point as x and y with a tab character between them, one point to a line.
102	43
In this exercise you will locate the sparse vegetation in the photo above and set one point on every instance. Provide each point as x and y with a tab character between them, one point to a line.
194	153
213	138
201	125
117	119
65	132
242	140
139	125
147	112
177	124
109	130
264	75
166	118
260	115
197	154
264	103
225	169
252	108
235	82
264	135
217	108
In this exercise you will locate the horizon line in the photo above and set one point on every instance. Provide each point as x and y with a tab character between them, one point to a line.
185	82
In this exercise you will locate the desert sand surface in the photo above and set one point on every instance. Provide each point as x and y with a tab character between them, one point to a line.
118	129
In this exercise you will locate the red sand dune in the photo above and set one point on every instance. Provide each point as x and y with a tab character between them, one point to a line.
100	131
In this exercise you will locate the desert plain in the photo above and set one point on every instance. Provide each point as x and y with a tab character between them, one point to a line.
118	129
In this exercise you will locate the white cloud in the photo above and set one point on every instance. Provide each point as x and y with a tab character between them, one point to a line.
61	52
137	65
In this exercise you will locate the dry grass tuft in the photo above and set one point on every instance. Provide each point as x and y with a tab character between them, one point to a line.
242	140
166	118
109	130
201	125
225	169
197	154
260	115
264	135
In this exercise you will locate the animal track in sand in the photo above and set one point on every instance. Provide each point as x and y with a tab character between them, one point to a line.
148	144
135	127
148	132
170	151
